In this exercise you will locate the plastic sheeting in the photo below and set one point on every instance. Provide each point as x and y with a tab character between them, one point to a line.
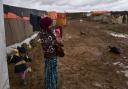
4	80
17	30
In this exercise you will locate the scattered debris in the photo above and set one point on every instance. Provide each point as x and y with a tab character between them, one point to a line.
82	33
127	82
81	20
120	35
118	72
125	73
97	84
124	57
114	50
121	65
116	63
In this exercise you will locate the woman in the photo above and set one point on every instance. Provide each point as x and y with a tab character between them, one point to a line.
48	43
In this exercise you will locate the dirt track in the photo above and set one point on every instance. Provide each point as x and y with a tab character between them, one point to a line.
87	64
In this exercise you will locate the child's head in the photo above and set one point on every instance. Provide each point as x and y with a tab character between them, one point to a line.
22	51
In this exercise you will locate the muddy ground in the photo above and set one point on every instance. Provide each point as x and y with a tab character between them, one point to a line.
88	64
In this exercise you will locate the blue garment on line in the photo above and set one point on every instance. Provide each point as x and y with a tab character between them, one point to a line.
51	73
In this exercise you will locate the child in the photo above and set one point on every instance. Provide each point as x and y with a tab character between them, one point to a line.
58	34
20	59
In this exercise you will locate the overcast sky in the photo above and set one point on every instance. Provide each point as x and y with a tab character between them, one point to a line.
71	5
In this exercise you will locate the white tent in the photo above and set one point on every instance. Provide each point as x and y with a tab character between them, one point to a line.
4	80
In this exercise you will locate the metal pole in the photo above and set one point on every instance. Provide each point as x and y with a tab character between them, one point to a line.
4	79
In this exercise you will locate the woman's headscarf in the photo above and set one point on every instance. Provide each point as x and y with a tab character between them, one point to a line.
45	23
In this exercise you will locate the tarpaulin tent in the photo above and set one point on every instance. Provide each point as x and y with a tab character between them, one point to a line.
52	15
16	31
17	25
22	11
76	15
61	19
58	18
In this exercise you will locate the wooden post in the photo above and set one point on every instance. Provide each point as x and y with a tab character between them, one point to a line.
4	79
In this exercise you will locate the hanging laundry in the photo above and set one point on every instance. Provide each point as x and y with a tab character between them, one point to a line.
35	22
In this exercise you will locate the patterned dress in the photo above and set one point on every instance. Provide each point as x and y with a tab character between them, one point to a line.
48	43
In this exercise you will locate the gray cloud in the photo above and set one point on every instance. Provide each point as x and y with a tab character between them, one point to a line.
71	5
